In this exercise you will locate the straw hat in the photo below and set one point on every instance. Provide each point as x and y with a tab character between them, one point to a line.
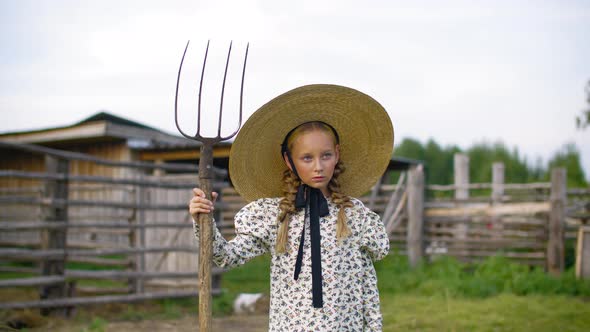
366	139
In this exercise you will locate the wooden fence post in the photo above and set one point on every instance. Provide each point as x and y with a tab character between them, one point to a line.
415	235
141	199
583	253
461	174
497	182
556	245
461	168
56	192
497	193
375	192
159	171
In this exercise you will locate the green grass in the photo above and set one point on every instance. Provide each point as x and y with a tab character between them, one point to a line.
446	295
253	277
105	283
97	325
494	276
505	312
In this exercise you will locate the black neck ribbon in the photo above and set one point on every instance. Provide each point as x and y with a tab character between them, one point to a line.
313	201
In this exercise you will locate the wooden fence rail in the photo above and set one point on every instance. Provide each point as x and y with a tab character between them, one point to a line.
53	254
68	155
103	179
9	226
507	186
94	275
61	202
93	300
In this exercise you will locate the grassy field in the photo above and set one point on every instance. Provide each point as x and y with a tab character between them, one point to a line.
505	312
495	295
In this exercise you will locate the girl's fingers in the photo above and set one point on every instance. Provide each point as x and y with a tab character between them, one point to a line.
200	204
200	201
200	193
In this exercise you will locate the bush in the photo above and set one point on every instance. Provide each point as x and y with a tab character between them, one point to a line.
493	276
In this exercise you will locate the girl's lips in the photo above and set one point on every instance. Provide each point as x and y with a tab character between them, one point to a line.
317	178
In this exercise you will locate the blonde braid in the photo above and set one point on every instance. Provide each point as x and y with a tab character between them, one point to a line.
287	207
342	201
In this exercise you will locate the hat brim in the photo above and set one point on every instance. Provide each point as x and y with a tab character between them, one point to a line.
366	139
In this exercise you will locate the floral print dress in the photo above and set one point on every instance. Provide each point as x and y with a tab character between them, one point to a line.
351	298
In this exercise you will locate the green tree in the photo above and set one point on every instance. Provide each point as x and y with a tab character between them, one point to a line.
583	120
483	155
568	157
409	148
439	162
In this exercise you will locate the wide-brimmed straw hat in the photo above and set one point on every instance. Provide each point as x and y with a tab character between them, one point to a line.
366	139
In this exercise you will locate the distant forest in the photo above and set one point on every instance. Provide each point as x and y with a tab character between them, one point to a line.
517	169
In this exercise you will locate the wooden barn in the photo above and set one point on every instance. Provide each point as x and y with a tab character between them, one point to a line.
107	137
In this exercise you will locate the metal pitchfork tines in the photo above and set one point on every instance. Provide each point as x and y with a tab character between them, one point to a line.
205	177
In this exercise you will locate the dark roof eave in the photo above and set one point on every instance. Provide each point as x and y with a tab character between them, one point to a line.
402	163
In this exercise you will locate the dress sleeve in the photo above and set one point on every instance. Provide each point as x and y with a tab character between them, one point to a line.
374	239
373	320
251	240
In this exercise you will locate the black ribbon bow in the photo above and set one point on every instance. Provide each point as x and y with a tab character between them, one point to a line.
313	200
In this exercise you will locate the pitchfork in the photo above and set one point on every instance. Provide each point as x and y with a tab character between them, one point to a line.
205	176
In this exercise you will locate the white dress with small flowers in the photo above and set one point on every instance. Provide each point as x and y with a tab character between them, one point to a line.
350	295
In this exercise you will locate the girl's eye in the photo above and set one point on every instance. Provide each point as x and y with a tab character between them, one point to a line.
307	158
327	155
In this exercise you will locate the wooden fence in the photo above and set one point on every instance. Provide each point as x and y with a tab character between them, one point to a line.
133	229
64	231
529	223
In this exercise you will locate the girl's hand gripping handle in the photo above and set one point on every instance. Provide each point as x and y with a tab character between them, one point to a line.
200	204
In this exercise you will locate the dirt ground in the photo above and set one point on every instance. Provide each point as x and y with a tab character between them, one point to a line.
232	323
112	318
245	323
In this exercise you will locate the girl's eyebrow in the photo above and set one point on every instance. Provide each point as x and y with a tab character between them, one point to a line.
321	152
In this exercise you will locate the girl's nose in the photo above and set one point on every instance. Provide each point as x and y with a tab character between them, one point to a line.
318	167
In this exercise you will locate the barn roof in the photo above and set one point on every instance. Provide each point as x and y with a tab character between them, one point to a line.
100	127
104	126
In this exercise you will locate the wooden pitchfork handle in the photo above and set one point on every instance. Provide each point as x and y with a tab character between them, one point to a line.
205	177
206	240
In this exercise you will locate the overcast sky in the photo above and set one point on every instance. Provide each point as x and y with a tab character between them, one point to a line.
457	71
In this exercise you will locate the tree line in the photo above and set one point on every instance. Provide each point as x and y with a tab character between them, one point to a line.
517	169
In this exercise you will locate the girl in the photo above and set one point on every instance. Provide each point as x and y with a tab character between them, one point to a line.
289	160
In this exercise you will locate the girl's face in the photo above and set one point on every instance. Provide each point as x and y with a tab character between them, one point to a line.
315	155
